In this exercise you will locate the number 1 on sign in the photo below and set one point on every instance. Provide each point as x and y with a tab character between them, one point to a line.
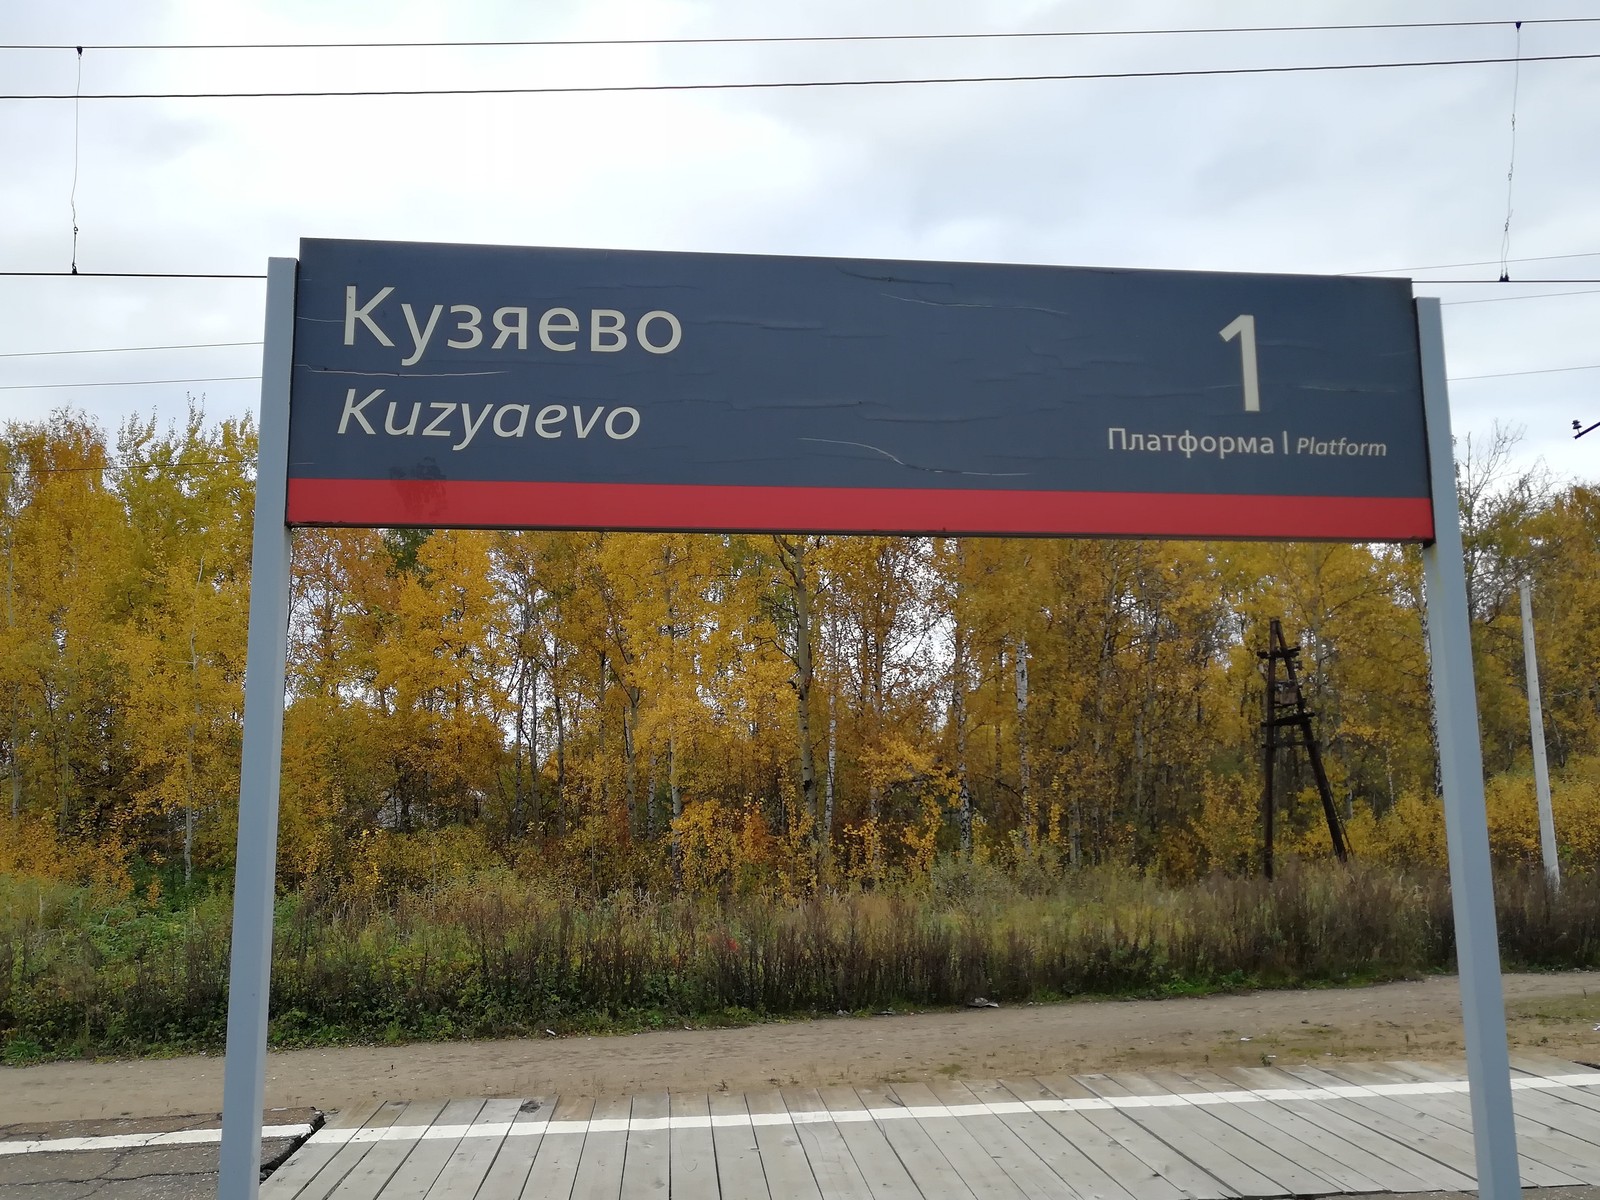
1243	327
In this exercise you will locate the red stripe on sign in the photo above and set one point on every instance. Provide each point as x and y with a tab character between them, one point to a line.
478	504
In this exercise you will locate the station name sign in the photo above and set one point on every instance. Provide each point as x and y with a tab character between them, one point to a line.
507	387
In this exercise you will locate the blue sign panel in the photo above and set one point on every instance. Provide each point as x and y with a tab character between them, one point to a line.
514	387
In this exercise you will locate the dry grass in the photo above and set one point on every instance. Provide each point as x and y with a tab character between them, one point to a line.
496	955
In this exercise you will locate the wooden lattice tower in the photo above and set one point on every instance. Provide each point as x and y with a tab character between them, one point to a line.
1287	725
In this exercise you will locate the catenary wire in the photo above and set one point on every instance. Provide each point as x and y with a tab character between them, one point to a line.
21	387
24	387
1483	262
222	345
1537	371
791	39
122	349
128	275
798	84
1378	271
1533	296
116	460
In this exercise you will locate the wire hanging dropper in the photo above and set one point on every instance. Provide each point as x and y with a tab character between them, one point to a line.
77	102
1511	169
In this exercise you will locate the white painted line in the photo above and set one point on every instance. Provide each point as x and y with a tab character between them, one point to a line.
134	1141
502	1129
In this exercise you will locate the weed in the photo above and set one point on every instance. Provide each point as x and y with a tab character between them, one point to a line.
495	955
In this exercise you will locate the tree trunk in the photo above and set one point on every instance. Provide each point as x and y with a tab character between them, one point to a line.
188	806
561	743
828	791
676	794
958	718
792	556
630	721
194	729
651	790
1024	779
14	765
600	732
532	816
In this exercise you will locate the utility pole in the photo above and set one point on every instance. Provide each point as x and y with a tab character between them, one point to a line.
1285	708
1541	767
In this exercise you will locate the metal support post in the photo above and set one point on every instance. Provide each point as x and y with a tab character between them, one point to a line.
1541	766
244	1075
1461	772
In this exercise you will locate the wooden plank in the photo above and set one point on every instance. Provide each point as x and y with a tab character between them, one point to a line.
476	1152
1542	1145
599	1174
372	1174
507	1171
1195	1134
1086	1178
1028	1170
832	1165
647	1163
1542	1066
739	1173
1548	1108
556	1156
692	1155
1359	1127
991	1139
1541	1165
917	1151
1532	1068
880	1166
977	1168
1549	1065
332	1175
783	1158
1348	1166
1144	1167
294	1176
1404	1122
415	1177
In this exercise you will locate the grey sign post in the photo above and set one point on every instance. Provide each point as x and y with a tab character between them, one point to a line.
1455	709
244	1074
519	388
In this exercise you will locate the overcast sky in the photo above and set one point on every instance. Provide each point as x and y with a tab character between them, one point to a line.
1327	172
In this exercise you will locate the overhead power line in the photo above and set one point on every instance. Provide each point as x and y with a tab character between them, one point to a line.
75	274
198	275
1483	262
123	349
224	345
1538	371
115	460
1503	282
1380	271
26	387
801	38
22	387
792	84
1530	296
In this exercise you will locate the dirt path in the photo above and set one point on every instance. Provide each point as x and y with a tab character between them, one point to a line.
1556	1013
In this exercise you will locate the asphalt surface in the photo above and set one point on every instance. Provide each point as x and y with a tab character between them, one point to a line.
162	1172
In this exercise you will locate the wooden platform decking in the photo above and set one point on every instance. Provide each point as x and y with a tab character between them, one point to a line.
1155	1135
